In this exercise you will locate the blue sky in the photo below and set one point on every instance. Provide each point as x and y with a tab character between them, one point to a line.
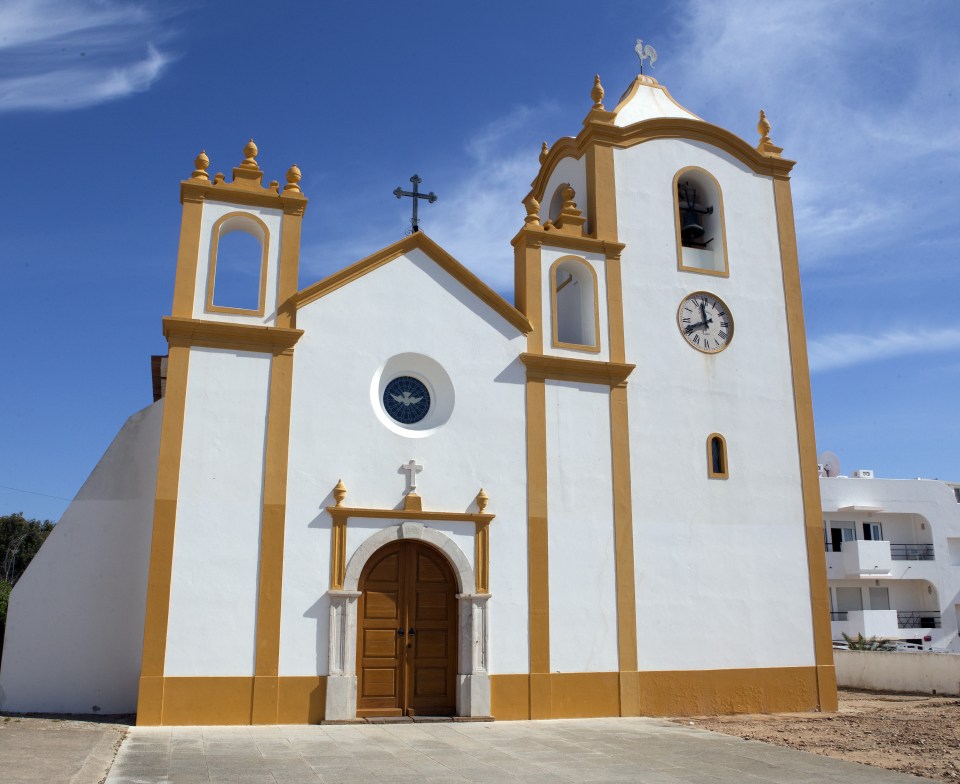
104	105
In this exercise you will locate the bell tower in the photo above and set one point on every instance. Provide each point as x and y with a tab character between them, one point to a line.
223	447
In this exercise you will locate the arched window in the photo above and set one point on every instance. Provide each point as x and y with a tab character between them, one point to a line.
237	279
701	236
717	457
576	318
556	202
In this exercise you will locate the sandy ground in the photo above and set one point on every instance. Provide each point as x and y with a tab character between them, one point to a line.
910	733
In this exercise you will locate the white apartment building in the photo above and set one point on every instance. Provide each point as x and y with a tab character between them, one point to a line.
893	558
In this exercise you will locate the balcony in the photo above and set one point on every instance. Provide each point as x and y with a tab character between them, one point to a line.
866	558
918	619
911	552
869	623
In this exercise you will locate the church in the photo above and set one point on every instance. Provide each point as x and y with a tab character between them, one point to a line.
393	493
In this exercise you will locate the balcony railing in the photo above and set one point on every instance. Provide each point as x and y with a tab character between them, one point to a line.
918	619
838	615
911	552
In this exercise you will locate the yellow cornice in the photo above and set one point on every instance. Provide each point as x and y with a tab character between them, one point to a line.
291	202
222	334
344	512
422	242
597	130
540	366
535	237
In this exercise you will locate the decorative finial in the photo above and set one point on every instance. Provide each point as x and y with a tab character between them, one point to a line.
250	151
763	127
645	53
533	211
568	202
201	162
482	500
340	492
597	92
766	145
293	179
544	150
570	220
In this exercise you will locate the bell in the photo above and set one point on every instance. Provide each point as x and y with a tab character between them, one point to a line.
692	229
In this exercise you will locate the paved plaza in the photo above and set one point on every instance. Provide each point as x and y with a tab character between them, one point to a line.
542	752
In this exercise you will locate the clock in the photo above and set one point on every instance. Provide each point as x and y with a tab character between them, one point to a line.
705	322
406	399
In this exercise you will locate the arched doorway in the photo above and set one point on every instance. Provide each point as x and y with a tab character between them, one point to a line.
407	633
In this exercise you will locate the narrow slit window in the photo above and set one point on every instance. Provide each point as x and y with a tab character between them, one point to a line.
717	457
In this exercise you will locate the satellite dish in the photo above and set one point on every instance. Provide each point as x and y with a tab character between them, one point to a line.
830	464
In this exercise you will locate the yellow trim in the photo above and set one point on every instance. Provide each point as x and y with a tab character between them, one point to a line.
664	693
601	192
150	699
589	371
481	557
538	575
535	236
221	334
729	314
341	514
215	233
188	256
554	289
291	202
270	584
725	272
417	240
606	134
806	439
725	473
647	81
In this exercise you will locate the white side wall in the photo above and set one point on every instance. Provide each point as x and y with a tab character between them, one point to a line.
213	594
721	565
582	566
898	671
409	305
74	631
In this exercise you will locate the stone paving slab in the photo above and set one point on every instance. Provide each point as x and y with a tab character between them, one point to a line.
594	751
56	751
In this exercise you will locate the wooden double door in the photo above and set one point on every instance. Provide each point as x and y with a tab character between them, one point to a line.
407	633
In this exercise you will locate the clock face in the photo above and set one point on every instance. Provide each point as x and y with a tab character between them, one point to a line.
406	399
705	322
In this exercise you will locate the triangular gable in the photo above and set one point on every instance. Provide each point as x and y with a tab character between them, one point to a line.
435	253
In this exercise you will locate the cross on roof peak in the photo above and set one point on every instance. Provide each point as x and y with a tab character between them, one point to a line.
415	195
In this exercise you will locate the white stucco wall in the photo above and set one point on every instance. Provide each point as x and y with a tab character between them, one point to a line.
409	305
74	631
721	565
582	565
213	594
212	212
898	671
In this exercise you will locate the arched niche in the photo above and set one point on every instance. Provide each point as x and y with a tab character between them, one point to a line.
698	202
237	271
574	303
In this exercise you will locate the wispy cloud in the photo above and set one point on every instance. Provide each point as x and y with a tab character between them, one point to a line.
845	350
862	96
69	54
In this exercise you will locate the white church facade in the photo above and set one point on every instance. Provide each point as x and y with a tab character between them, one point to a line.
395	493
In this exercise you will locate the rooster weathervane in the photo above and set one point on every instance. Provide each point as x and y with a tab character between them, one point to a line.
645	53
